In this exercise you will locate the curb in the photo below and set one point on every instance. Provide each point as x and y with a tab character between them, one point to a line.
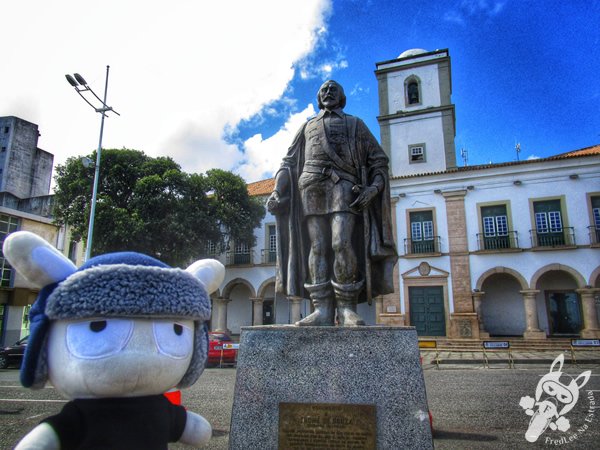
514	361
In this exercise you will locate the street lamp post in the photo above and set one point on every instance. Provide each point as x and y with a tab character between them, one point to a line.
81	86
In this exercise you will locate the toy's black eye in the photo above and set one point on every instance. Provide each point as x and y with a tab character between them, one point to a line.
98	325
174	339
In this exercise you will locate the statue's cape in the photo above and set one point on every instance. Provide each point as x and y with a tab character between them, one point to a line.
377	259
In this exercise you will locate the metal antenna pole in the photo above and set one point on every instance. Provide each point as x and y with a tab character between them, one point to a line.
88	248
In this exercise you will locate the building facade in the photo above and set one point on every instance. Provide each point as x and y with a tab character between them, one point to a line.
25	204
507	249
503	250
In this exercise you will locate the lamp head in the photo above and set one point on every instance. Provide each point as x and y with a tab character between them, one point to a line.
71	80
80	79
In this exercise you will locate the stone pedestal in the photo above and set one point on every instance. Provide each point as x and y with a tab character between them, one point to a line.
464	326
391	319
374	366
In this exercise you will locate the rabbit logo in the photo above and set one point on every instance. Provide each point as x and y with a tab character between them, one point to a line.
555	395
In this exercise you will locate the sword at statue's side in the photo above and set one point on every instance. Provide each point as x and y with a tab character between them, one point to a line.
367	237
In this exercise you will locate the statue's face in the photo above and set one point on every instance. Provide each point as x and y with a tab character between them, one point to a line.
330	95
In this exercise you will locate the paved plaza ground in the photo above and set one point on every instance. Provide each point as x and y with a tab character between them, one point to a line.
474	405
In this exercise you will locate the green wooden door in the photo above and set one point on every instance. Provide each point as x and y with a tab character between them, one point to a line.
427	310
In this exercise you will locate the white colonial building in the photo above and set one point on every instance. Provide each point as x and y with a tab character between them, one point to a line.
508	249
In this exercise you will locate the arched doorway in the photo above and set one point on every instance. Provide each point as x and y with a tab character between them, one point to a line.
502	308
559	305
239	310
275	307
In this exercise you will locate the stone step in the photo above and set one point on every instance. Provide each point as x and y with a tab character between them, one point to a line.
515	344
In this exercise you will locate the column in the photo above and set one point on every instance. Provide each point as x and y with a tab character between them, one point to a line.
391	302
591	330
459	252
378	308
295	308
532	325
463	321
220	325
477	298
257	308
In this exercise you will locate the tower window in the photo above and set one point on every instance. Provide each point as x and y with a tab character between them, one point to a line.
412	87
416	153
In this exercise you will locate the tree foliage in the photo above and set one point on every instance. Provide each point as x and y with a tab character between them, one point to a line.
151	206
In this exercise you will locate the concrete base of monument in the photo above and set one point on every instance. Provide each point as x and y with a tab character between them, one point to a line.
329	387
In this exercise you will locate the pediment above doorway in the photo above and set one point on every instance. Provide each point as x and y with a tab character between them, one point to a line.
425	270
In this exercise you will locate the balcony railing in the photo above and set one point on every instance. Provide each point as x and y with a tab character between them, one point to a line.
414	247
594	235
509	241
239	258
267	256
558	238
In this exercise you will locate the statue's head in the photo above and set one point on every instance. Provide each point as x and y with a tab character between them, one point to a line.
331	95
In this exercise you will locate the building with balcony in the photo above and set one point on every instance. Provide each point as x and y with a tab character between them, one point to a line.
504	250
507	249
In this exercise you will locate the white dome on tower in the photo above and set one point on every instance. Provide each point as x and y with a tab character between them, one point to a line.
412	52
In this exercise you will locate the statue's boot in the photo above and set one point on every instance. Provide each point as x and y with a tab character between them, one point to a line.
346	296
321	296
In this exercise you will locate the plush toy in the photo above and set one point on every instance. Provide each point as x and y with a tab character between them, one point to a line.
113	336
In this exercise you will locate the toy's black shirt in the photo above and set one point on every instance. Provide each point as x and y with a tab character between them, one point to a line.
119	423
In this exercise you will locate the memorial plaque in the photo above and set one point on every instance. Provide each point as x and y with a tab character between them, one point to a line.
327	426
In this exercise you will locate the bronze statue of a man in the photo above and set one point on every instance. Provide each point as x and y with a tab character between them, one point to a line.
332	205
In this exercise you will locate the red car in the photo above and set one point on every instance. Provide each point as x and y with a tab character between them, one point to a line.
221	350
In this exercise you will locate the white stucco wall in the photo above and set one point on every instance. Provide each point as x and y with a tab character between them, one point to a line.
430	91
538	181
423	129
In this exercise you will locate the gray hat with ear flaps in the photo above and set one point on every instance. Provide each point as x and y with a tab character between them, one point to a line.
123	284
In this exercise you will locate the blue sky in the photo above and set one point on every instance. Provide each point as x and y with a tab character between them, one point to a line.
227	84
522	71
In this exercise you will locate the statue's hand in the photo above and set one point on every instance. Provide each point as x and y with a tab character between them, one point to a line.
365	197
274	202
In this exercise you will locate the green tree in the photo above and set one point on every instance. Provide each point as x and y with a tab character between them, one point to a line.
151	206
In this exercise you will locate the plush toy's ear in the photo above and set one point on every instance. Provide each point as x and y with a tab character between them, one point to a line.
210	271
36	259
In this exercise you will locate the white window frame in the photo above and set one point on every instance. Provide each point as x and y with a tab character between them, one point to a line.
495	226
418	151
272	239
541	222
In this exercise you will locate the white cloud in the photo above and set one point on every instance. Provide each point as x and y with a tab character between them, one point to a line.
532	157
263	156
181	73
474	8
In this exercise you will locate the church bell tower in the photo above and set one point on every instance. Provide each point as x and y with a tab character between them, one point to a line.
416	114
